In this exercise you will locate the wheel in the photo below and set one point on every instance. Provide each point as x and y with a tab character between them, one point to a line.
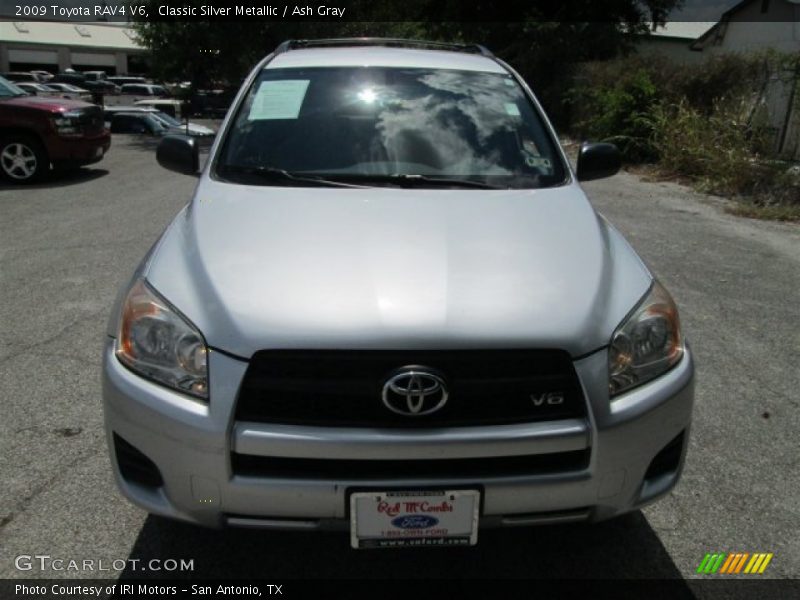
22	159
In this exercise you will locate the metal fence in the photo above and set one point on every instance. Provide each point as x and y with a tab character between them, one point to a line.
777	105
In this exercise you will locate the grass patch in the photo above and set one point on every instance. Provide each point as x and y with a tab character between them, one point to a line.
790	214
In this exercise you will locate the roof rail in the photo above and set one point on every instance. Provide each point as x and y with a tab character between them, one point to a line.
378	41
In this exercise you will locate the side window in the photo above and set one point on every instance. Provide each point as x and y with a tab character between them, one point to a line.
118	124
127	124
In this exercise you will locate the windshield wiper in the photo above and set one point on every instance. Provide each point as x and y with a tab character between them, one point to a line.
275	174
409	180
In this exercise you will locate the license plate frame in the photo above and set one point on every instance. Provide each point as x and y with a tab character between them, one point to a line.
432	518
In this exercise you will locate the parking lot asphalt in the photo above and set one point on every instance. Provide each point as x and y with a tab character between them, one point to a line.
66	246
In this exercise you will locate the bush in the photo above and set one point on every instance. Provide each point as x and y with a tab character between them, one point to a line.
617	100
717	79
699	121
620	113
721	153
717	150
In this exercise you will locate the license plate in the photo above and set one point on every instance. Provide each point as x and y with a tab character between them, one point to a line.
98	152
414	518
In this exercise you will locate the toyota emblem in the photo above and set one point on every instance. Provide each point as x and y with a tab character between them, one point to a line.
414	392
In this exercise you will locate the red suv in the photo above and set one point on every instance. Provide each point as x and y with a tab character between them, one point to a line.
37	132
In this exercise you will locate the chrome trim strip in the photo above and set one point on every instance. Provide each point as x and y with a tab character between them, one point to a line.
290	441
545	518
258	523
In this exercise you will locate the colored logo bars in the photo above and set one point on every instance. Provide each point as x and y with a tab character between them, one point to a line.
734	563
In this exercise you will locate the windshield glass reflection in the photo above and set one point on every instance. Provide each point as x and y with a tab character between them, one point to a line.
351	123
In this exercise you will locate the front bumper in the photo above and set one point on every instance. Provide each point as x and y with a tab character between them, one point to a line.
193	444
66	152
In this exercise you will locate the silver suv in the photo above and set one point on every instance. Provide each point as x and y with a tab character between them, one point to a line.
390	309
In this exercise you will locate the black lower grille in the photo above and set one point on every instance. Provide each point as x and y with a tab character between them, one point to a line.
135	466
459	468
667	460
343	388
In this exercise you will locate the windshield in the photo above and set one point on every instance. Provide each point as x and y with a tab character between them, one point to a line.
8	89
155	124
167	119
384	125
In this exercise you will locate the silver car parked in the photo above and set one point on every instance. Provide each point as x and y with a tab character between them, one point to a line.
390	309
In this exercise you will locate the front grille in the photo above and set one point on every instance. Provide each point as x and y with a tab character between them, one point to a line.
247	465
343	388
91	120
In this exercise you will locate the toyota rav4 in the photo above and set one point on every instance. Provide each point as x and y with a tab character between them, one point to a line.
390	309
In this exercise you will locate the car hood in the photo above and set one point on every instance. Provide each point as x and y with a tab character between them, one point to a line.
194	129
45	103
274	267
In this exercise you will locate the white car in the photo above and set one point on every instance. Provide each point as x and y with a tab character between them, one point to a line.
43	76
144	90
73	92
171	107
390	309
39	89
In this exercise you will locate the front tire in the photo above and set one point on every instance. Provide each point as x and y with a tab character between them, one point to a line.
23	159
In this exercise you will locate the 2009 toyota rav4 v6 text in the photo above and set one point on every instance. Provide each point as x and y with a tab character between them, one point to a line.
389	308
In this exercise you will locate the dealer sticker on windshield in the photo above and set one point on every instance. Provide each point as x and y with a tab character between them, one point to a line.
278	99
414	518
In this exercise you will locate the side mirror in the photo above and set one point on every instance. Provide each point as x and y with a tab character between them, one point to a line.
596	161
179	153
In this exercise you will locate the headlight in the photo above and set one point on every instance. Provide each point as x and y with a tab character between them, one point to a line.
156	341
646	344
68	124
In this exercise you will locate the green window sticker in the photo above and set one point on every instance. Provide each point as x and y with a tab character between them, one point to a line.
278	99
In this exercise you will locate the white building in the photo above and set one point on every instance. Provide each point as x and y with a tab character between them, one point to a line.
674	40
54	47
754	25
